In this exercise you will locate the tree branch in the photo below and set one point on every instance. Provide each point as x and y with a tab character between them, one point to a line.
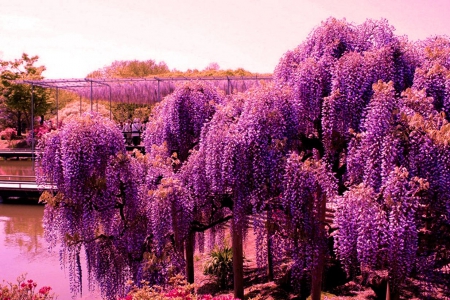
199	227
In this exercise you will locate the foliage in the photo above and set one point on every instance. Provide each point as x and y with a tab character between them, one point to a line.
25	290
135	68
154	81
39	132
142	113
16	97
210	72
65	97
8	134
123	111
307	184
220	265
130	68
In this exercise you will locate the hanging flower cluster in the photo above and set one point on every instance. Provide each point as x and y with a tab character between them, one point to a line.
307	185
95	203
152	90
178	119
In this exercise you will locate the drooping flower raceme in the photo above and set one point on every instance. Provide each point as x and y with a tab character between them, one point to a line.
96	202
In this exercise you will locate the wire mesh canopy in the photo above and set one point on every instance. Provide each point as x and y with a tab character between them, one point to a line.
142	90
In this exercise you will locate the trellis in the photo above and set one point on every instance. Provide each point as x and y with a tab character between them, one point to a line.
135	90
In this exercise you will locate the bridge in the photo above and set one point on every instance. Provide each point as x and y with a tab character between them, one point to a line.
19	188
15	188
28	153
17	153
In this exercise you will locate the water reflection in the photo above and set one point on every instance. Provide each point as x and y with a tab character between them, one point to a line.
16	167
23	249
22	226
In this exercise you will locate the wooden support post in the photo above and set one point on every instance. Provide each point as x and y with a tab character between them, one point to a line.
238	261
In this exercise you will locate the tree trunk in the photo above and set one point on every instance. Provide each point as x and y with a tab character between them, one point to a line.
391	295
316	274
19	123
189	247
319	236
269	247
388	292
238	261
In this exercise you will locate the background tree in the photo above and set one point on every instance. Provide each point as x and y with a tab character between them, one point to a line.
130	68
15	97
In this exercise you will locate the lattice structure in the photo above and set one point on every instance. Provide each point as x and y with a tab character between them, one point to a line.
141	90
135	90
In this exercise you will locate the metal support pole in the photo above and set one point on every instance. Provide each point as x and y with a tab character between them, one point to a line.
32	124
110	97
228	88
159	93
110	103
57	109
91	96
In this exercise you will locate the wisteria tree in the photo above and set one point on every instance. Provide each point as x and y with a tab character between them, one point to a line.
355	122
95	204
172	134
351	90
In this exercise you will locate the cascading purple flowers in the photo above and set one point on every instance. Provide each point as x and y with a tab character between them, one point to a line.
96	204
356	120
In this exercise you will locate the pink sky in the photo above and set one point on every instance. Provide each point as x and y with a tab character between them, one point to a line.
73	38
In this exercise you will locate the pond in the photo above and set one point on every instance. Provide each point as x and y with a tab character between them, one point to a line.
23	249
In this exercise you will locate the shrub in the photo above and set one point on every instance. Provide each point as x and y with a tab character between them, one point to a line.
8	134
179	290
220	266
39	131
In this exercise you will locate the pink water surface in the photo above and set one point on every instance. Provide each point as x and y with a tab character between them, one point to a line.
23	249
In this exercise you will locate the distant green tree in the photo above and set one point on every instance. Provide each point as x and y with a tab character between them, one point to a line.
130	69
16	97
150	68
123	111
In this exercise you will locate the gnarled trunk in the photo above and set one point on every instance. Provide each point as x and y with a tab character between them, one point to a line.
189	248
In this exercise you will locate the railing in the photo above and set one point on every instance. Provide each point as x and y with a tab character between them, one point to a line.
10	185
20	178
18	182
